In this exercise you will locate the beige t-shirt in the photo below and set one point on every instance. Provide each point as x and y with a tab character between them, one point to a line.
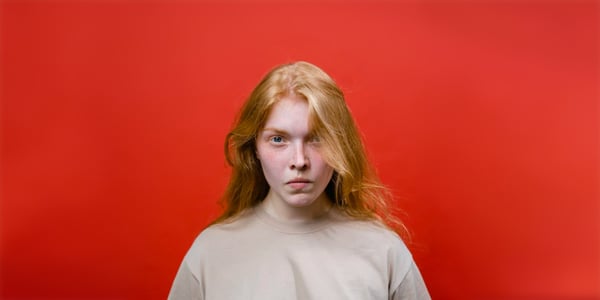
332	257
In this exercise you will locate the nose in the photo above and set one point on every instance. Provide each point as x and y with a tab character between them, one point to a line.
299	158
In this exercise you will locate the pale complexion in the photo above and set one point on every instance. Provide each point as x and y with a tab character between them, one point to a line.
291	160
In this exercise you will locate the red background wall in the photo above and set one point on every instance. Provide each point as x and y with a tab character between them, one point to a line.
482	118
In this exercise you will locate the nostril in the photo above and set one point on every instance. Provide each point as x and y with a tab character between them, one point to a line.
299	159
300	162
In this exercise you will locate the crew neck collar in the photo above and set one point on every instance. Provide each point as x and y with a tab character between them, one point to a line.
295	226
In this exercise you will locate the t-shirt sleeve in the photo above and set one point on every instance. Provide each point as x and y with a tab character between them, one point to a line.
412	286
406	282
186	286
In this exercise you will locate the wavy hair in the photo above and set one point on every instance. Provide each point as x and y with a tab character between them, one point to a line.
354	187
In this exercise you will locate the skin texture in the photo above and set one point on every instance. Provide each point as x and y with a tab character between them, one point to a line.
292	163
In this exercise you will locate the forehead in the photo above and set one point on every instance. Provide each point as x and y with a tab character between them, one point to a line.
290	114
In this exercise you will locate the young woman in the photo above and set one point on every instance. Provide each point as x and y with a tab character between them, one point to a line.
305	216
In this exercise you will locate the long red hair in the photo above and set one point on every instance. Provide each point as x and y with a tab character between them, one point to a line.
354	187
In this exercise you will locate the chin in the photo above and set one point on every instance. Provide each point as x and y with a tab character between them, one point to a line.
300	201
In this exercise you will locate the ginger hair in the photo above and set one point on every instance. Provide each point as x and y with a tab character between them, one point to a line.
354	187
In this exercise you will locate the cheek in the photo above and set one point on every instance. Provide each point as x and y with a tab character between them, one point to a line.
319	163
267	155
271	160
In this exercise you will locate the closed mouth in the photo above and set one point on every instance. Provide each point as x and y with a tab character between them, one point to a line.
299	180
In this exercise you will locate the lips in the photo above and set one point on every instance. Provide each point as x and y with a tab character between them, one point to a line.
298	180
298	183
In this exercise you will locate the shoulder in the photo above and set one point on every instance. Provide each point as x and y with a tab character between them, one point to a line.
374	237
405	280
222	236
368	231
208	250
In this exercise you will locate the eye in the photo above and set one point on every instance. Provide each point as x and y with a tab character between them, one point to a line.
277	139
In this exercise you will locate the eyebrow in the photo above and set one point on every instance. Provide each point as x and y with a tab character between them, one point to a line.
275	130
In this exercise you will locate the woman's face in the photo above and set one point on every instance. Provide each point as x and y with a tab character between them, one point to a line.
291	159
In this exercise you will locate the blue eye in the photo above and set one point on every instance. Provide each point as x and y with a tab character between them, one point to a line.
277	139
